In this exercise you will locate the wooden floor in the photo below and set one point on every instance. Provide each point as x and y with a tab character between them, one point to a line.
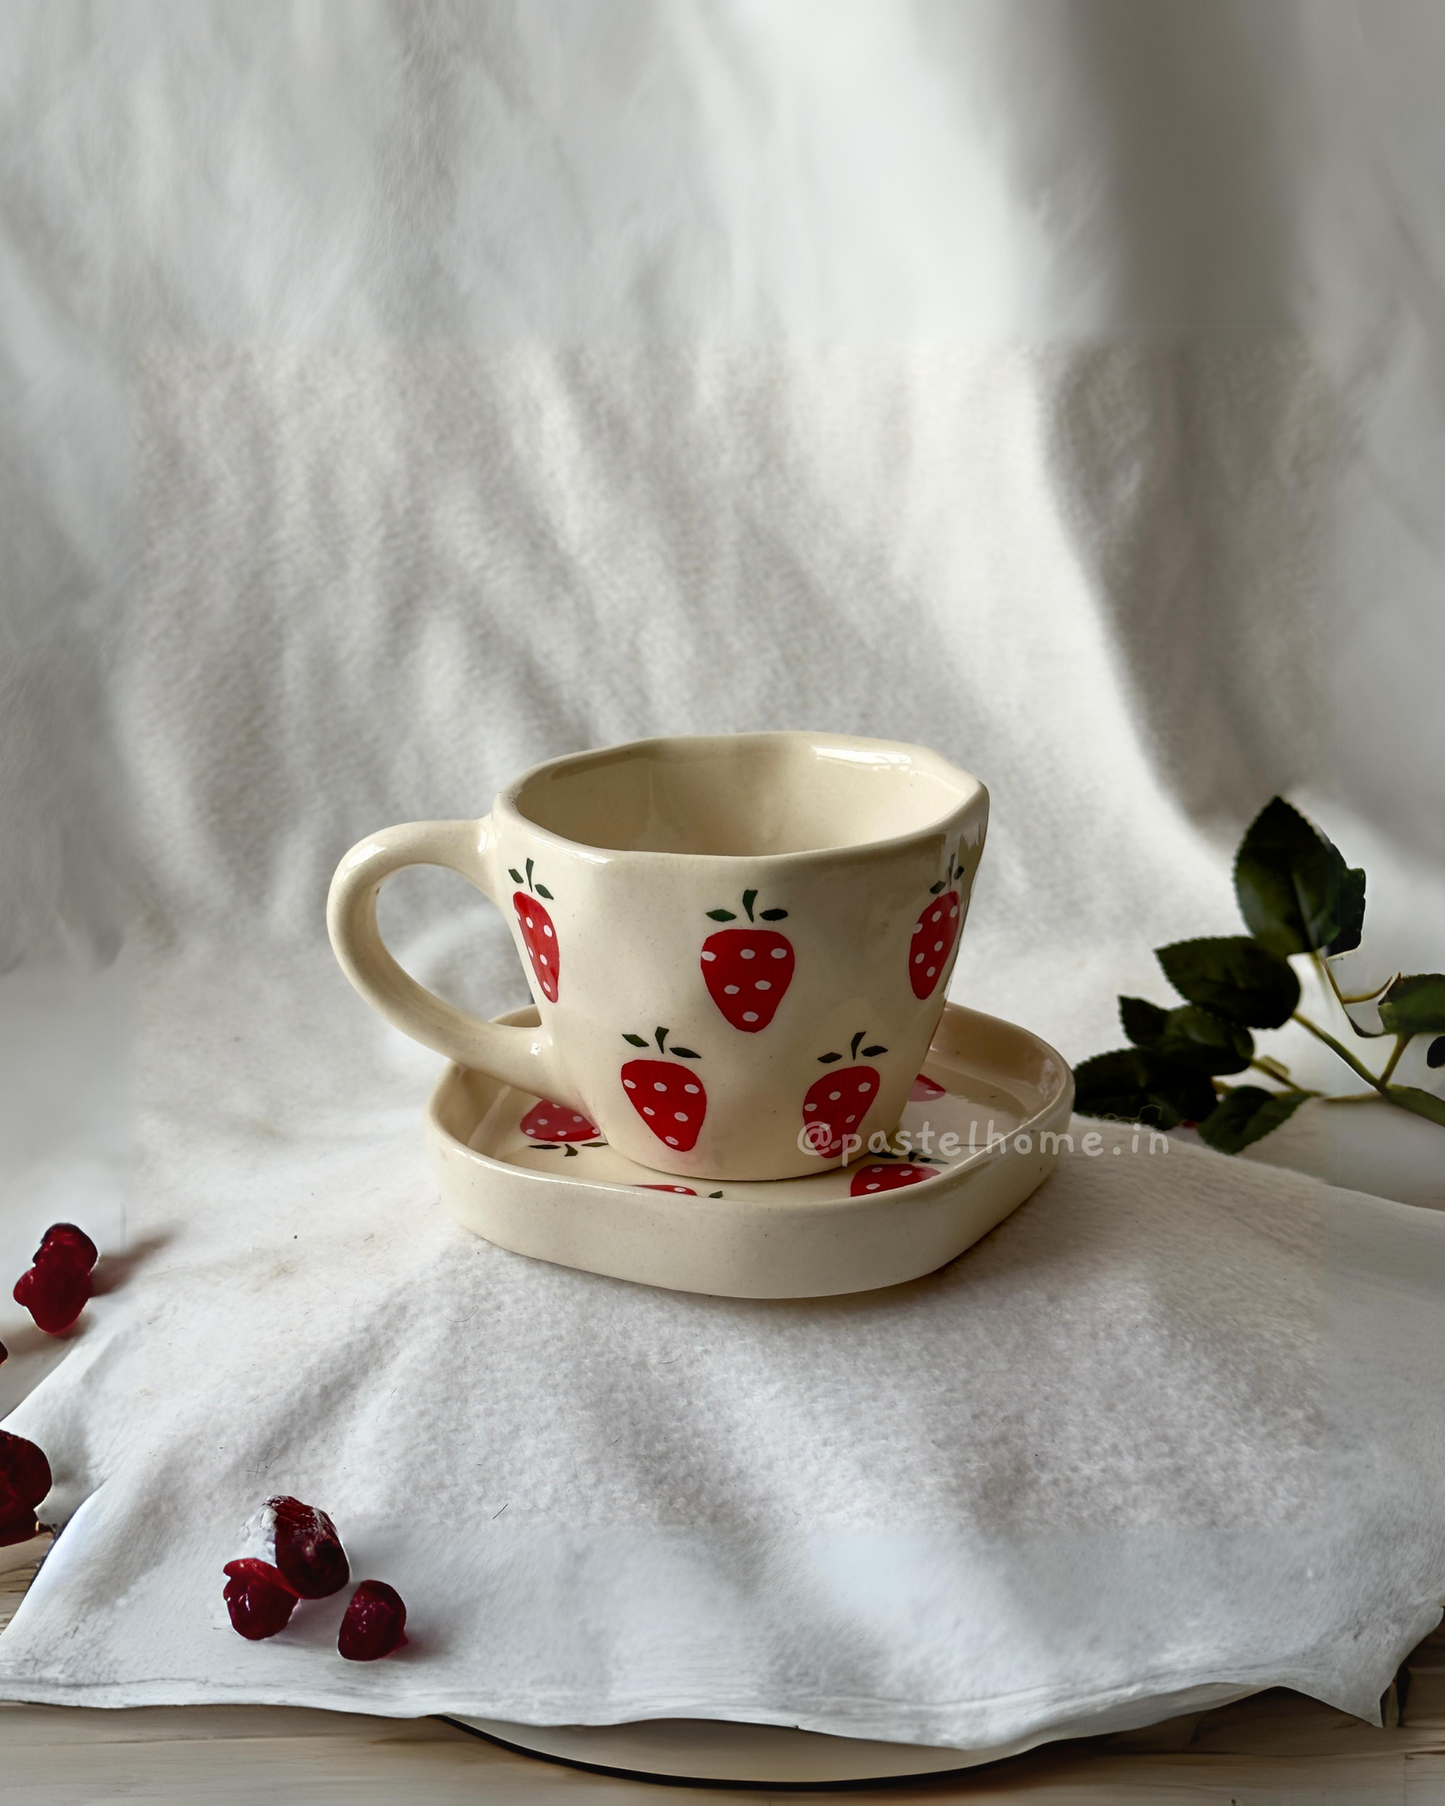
1277	1749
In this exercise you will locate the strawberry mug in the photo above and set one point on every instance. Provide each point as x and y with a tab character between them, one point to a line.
739	946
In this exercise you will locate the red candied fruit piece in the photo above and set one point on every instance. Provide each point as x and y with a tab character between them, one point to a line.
54	1290
308	1550
24	1481
258	1599
24	1472
18	1526
67	1239
375	1623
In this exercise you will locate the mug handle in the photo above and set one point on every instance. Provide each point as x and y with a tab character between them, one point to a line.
525	1057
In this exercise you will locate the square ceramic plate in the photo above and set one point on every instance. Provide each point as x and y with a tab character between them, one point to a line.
983	1120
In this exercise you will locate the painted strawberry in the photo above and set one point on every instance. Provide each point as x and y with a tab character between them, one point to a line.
924	1090
882	1177
547	1121
837	1103
934	935
683	1191
539	937
667	1096
747	970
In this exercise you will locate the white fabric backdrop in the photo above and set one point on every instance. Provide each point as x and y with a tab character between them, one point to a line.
398	395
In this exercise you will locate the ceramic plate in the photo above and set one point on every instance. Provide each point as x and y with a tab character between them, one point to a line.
982	1120
747	1755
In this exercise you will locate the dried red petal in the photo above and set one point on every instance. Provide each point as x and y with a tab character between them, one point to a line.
375	1623
17	1526
258	1599
66	1238
308	1550
24	1474
54	1291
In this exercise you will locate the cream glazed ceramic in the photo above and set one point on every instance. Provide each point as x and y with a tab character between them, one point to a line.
739	946
981	1129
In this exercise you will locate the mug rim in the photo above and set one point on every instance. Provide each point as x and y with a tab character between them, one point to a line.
973	795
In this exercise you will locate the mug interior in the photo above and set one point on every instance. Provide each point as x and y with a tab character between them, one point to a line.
745	795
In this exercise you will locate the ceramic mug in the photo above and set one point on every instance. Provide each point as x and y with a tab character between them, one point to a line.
739	946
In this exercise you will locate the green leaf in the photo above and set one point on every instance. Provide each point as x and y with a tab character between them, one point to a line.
529	871
1422	1103
1295	891
542	891
1138	1086
685	1053
828	1059
723	915
769	915
877	1048
1415	1005
1233	976
516	875
1247	1115
660	1035
934	889
636	1040
1111	1084
1143	1021
749	898
1435	1054
714	1194
1195	1037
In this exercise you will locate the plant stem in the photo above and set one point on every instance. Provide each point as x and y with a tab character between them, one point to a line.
1327	973
1349	1059
1354	1097
1274	1069
1401	1042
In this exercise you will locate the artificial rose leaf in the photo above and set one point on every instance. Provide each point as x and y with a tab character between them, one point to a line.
1233	976
1143	1021
1415	1005
1110	1084
1136	1085
1191	1036
1295	891
1247	1115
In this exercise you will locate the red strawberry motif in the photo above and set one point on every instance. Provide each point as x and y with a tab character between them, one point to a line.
882	1177
933	936
683	1191
669	1097
539	936
837	1103
547	1121
924	1090
747	970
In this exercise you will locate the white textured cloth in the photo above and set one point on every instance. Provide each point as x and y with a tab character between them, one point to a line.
398	397
1166	1435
